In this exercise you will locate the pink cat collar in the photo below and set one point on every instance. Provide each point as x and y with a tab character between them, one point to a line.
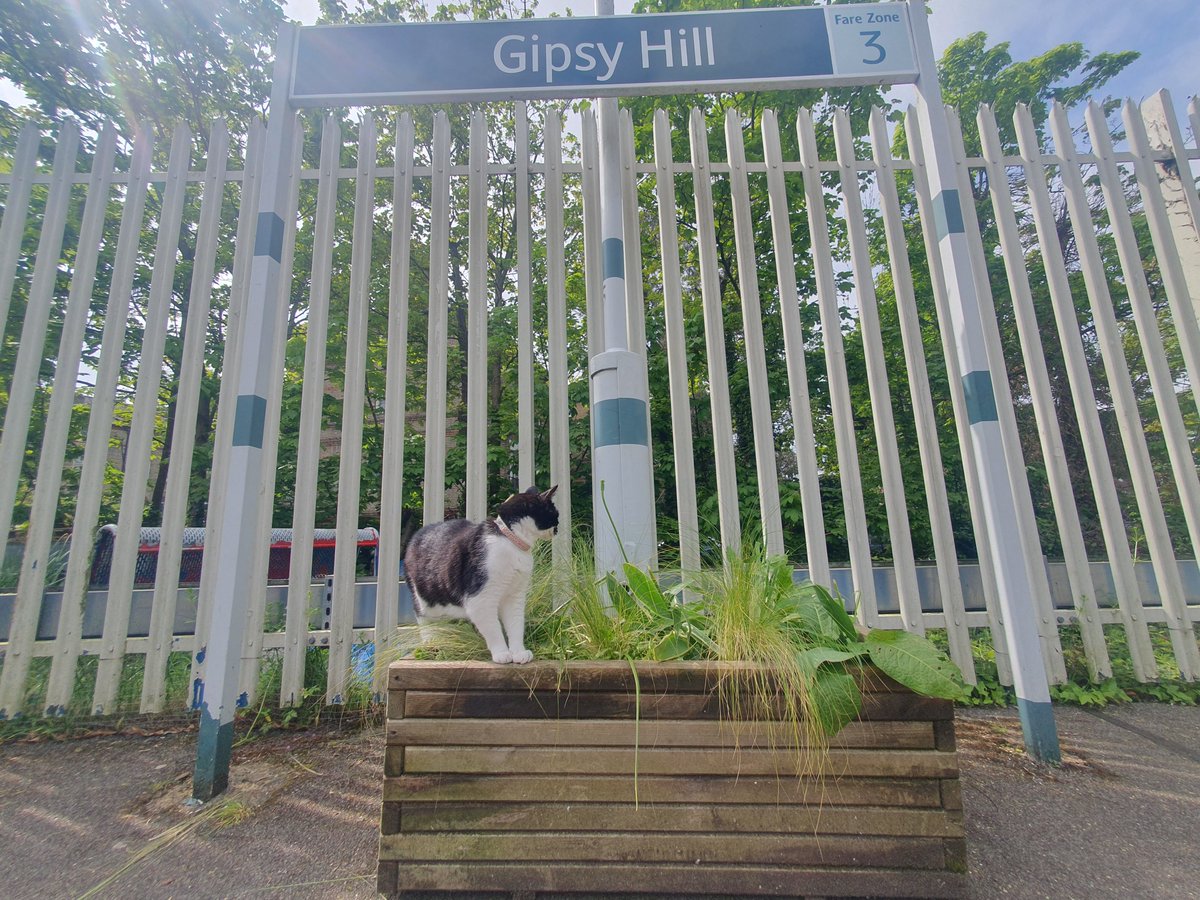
508	533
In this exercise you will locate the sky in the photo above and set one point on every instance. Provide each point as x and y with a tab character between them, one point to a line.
1165	32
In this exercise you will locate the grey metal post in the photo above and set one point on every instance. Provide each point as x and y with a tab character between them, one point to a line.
253	372
621	462
1012	574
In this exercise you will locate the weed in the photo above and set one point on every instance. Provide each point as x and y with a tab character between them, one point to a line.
230	813
1079	689
750	610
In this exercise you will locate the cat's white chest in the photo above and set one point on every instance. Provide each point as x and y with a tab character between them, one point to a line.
506	558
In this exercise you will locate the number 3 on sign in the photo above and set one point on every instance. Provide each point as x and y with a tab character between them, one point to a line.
873	44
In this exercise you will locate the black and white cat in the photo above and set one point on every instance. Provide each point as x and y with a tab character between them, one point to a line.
480	572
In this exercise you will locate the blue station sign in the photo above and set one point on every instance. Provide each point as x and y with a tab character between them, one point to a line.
603	56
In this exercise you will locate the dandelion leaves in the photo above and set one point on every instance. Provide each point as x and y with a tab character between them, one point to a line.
811	659
821	615
915	663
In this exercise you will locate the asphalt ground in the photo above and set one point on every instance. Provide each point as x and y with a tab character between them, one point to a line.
1120	818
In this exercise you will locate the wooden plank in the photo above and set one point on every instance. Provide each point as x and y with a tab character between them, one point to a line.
912	852
395	705
956	854
763	818
683	879
390	817
598	675
387	878
695	849
677	761
661	733
951	794
819	791
551	704
943	734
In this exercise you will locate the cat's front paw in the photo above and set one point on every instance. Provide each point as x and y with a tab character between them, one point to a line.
522	656
502	656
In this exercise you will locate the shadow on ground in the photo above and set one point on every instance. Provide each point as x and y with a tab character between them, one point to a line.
106	815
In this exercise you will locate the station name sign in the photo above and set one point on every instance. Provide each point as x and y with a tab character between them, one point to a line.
603	56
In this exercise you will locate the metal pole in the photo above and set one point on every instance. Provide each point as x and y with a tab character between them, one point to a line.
622	470
253	373
999	505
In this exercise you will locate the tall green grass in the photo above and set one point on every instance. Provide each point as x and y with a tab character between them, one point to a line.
804	650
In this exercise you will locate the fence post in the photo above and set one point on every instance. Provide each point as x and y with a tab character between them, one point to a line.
1180	198
253	373
999	506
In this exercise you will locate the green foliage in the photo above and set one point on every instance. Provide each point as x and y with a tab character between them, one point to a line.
144	61
1100	694
1079	689
807	647
916	663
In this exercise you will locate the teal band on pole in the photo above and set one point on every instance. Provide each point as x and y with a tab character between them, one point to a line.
614	258
980	397
216	691
1015	567
621	420
268	237
249	421
1041	734
214	746
947	214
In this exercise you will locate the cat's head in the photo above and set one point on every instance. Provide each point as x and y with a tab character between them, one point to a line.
531	511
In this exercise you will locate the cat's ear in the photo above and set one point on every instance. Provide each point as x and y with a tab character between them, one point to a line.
549	495
531	490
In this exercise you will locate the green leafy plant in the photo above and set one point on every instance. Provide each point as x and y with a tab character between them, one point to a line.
809	657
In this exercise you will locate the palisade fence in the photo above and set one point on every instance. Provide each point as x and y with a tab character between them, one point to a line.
121	287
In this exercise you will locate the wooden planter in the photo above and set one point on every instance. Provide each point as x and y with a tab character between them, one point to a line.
522	779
